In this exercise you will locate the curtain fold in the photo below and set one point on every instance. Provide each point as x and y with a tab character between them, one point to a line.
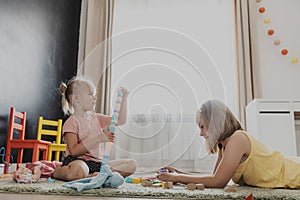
94	57
248	88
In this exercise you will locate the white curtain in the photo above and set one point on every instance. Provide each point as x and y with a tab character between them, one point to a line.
249	85
94	55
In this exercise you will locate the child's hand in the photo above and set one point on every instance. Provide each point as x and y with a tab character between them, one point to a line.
169	169
110	135
107	136
125	92
170	177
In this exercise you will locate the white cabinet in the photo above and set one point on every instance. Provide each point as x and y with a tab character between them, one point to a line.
273	123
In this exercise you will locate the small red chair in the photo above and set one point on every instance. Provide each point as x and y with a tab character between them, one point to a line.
17	123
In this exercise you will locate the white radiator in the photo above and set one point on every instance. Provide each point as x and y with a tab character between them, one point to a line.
158	140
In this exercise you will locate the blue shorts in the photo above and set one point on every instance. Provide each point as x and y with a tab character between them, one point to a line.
93	166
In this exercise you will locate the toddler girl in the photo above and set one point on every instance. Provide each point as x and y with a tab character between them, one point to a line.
84	131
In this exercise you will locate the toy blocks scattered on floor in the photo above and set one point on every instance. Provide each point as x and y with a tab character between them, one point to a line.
250	197
146	183
231	188
167	185
133	180
156	184
194	186
152	181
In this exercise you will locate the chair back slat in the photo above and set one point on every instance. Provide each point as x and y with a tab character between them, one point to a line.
17	121
44	129
17	114
49	132
50	122
17	126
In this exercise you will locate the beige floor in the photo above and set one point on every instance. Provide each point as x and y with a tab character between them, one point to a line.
53	197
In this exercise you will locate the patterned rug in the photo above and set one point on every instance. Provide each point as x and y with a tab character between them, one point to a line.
128	190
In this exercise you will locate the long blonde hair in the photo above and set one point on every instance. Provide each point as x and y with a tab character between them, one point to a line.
71	88
220	121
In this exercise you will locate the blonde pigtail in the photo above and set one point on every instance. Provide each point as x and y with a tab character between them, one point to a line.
68	90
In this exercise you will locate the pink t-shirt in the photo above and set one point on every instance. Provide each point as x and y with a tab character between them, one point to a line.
86	128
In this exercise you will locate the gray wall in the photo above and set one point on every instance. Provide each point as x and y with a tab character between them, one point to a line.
38	50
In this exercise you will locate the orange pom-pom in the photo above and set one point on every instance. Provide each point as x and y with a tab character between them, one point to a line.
261	10
284	52
270	32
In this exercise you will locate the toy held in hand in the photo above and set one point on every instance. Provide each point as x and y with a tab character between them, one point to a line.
164	170
115	115
112	127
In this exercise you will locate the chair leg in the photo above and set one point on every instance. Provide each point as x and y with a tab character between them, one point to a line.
49	157
57	155
20	155
35	154
7	160
45	154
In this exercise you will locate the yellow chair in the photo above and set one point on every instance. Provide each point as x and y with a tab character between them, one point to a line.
56	128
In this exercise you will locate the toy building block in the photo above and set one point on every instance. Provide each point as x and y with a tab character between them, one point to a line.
167	185
231	188
191	186
133	180
250	197
136	180
146	183
164	171
194	186
50	180
200	186
157	184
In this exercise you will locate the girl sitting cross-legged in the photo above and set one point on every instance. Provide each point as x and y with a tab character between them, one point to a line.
84	131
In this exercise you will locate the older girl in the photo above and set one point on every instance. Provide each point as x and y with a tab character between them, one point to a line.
241	157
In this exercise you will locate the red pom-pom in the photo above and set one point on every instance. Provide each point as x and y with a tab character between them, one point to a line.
284	52
270	32
261	10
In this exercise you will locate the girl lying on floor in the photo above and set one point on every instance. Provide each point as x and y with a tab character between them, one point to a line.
241	157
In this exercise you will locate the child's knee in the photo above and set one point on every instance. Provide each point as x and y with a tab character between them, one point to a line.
73	171
132	166
77	170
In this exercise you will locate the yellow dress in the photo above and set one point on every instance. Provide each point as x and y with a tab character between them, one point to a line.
266	168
